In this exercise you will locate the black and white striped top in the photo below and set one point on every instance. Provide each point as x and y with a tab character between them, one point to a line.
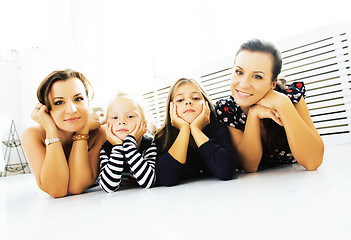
121	162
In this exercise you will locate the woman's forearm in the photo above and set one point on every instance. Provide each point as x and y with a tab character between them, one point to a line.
54	173
304	141
249	149
80	169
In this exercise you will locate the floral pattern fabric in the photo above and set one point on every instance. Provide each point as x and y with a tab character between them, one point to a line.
230	113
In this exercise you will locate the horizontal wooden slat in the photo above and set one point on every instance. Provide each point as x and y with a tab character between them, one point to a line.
313	55
313	65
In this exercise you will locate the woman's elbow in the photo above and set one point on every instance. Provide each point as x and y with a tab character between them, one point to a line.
250	168
312	165
74	190
57	193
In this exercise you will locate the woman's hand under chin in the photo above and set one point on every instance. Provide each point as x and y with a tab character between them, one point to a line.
41	115
272	99
262	112
94	122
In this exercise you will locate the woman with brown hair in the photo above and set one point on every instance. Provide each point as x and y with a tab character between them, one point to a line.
269	123
63	151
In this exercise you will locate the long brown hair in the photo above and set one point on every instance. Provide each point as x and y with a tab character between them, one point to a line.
167	134
61	75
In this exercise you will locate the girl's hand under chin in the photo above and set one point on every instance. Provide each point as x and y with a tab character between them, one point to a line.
111	137
176	121
139	131
201	121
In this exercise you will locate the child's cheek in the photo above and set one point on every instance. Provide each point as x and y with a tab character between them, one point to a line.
178	111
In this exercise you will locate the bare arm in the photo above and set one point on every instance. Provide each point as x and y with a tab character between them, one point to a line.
48	163
179	148
199	124
304	140
248	143
84	162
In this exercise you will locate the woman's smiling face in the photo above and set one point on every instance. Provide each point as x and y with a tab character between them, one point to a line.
70	105
252	77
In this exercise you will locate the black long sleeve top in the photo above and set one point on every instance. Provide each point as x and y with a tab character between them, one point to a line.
215	157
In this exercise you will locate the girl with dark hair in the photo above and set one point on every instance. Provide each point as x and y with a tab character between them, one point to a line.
191	143
269	123
63	151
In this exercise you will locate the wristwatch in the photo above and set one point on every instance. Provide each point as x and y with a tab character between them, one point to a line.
48	141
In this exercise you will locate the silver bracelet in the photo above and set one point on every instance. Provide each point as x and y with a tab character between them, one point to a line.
48	141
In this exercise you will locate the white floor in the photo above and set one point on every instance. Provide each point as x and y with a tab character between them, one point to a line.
283	203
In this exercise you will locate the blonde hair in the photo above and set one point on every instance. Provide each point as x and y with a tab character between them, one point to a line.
130	97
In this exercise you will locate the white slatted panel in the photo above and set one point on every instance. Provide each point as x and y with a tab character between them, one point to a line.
320	58
155	103
324	65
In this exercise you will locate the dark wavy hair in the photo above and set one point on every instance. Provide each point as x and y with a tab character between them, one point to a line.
167	134
276	136
61	75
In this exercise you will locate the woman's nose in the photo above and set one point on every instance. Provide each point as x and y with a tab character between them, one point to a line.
71	107
245	82
188	102
121	122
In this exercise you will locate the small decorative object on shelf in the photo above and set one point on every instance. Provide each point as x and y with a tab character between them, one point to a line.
13	141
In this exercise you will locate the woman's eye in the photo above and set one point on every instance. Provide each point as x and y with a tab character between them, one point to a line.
257	77
58	102
180	100
238	72
114	118
79	99
130	116
197	98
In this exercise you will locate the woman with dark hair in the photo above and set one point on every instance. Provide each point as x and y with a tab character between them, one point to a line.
269	123
63	151
191	143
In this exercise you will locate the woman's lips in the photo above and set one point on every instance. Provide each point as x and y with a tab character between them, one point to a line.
72	119
243	94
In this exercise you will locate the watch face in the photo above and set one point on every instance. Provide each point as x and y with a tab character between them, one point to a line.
51	140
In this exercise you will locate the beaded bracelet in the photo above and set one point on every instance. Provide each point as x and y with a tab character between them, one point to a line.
80	137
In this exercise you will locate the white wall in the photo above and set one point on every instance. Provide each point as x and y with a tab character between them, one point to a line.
135	44
41	32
